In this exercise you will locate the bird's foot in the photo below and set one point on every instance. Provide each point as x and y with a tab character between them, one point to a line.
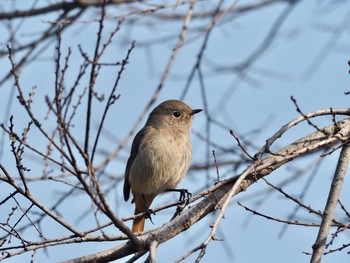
184	194
148	214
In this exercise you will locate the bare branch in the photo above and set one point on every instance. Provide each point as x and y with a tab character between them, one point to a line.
332	201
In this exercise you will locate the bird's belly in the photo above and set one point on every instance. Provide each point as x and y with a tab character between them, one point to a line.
158	166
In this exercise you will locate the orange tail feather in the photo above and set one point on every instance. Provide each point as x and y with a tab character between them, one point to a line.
142	204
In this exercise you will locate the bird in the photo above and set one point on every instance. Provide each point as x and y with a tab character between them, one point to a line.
160	156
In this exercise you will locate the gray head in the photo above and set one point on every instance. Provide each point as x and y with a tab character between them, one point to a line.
172	113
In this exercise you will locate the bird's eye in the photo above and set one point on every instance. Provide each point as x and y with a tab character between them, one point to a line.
176	114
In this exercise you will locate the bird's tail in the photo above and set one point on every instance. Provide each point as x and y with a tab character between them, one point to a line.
142	204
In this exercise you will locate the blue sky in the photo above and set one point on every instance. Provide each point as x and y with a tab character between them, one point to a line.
307	59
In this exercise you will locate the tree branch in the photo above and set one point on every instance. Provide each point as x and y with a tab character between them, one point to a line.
331	204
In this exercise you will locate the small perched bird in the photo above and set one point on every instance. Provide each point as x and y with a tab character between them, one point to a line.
160	156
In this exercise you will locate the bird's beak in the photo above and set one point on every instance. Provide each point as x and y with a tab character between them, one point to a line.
195	111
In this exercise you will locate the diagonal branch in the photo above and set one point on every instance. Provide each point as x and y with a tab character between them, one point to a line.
331	204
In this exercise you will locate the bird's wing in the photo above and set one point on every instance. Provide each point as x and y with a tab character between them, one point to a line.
134	149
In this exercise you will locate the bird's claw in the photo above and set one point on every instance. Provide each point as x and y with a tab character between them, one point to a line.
185	195
148	214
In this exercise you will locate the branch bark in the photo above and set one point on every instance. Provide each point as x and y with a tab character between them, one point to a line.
331	204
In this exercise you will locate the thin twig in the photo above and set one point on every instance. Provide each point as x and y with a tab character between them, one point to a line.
93	75
344	209
241	146
216	167
288	222
39	205
111	99
305	117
